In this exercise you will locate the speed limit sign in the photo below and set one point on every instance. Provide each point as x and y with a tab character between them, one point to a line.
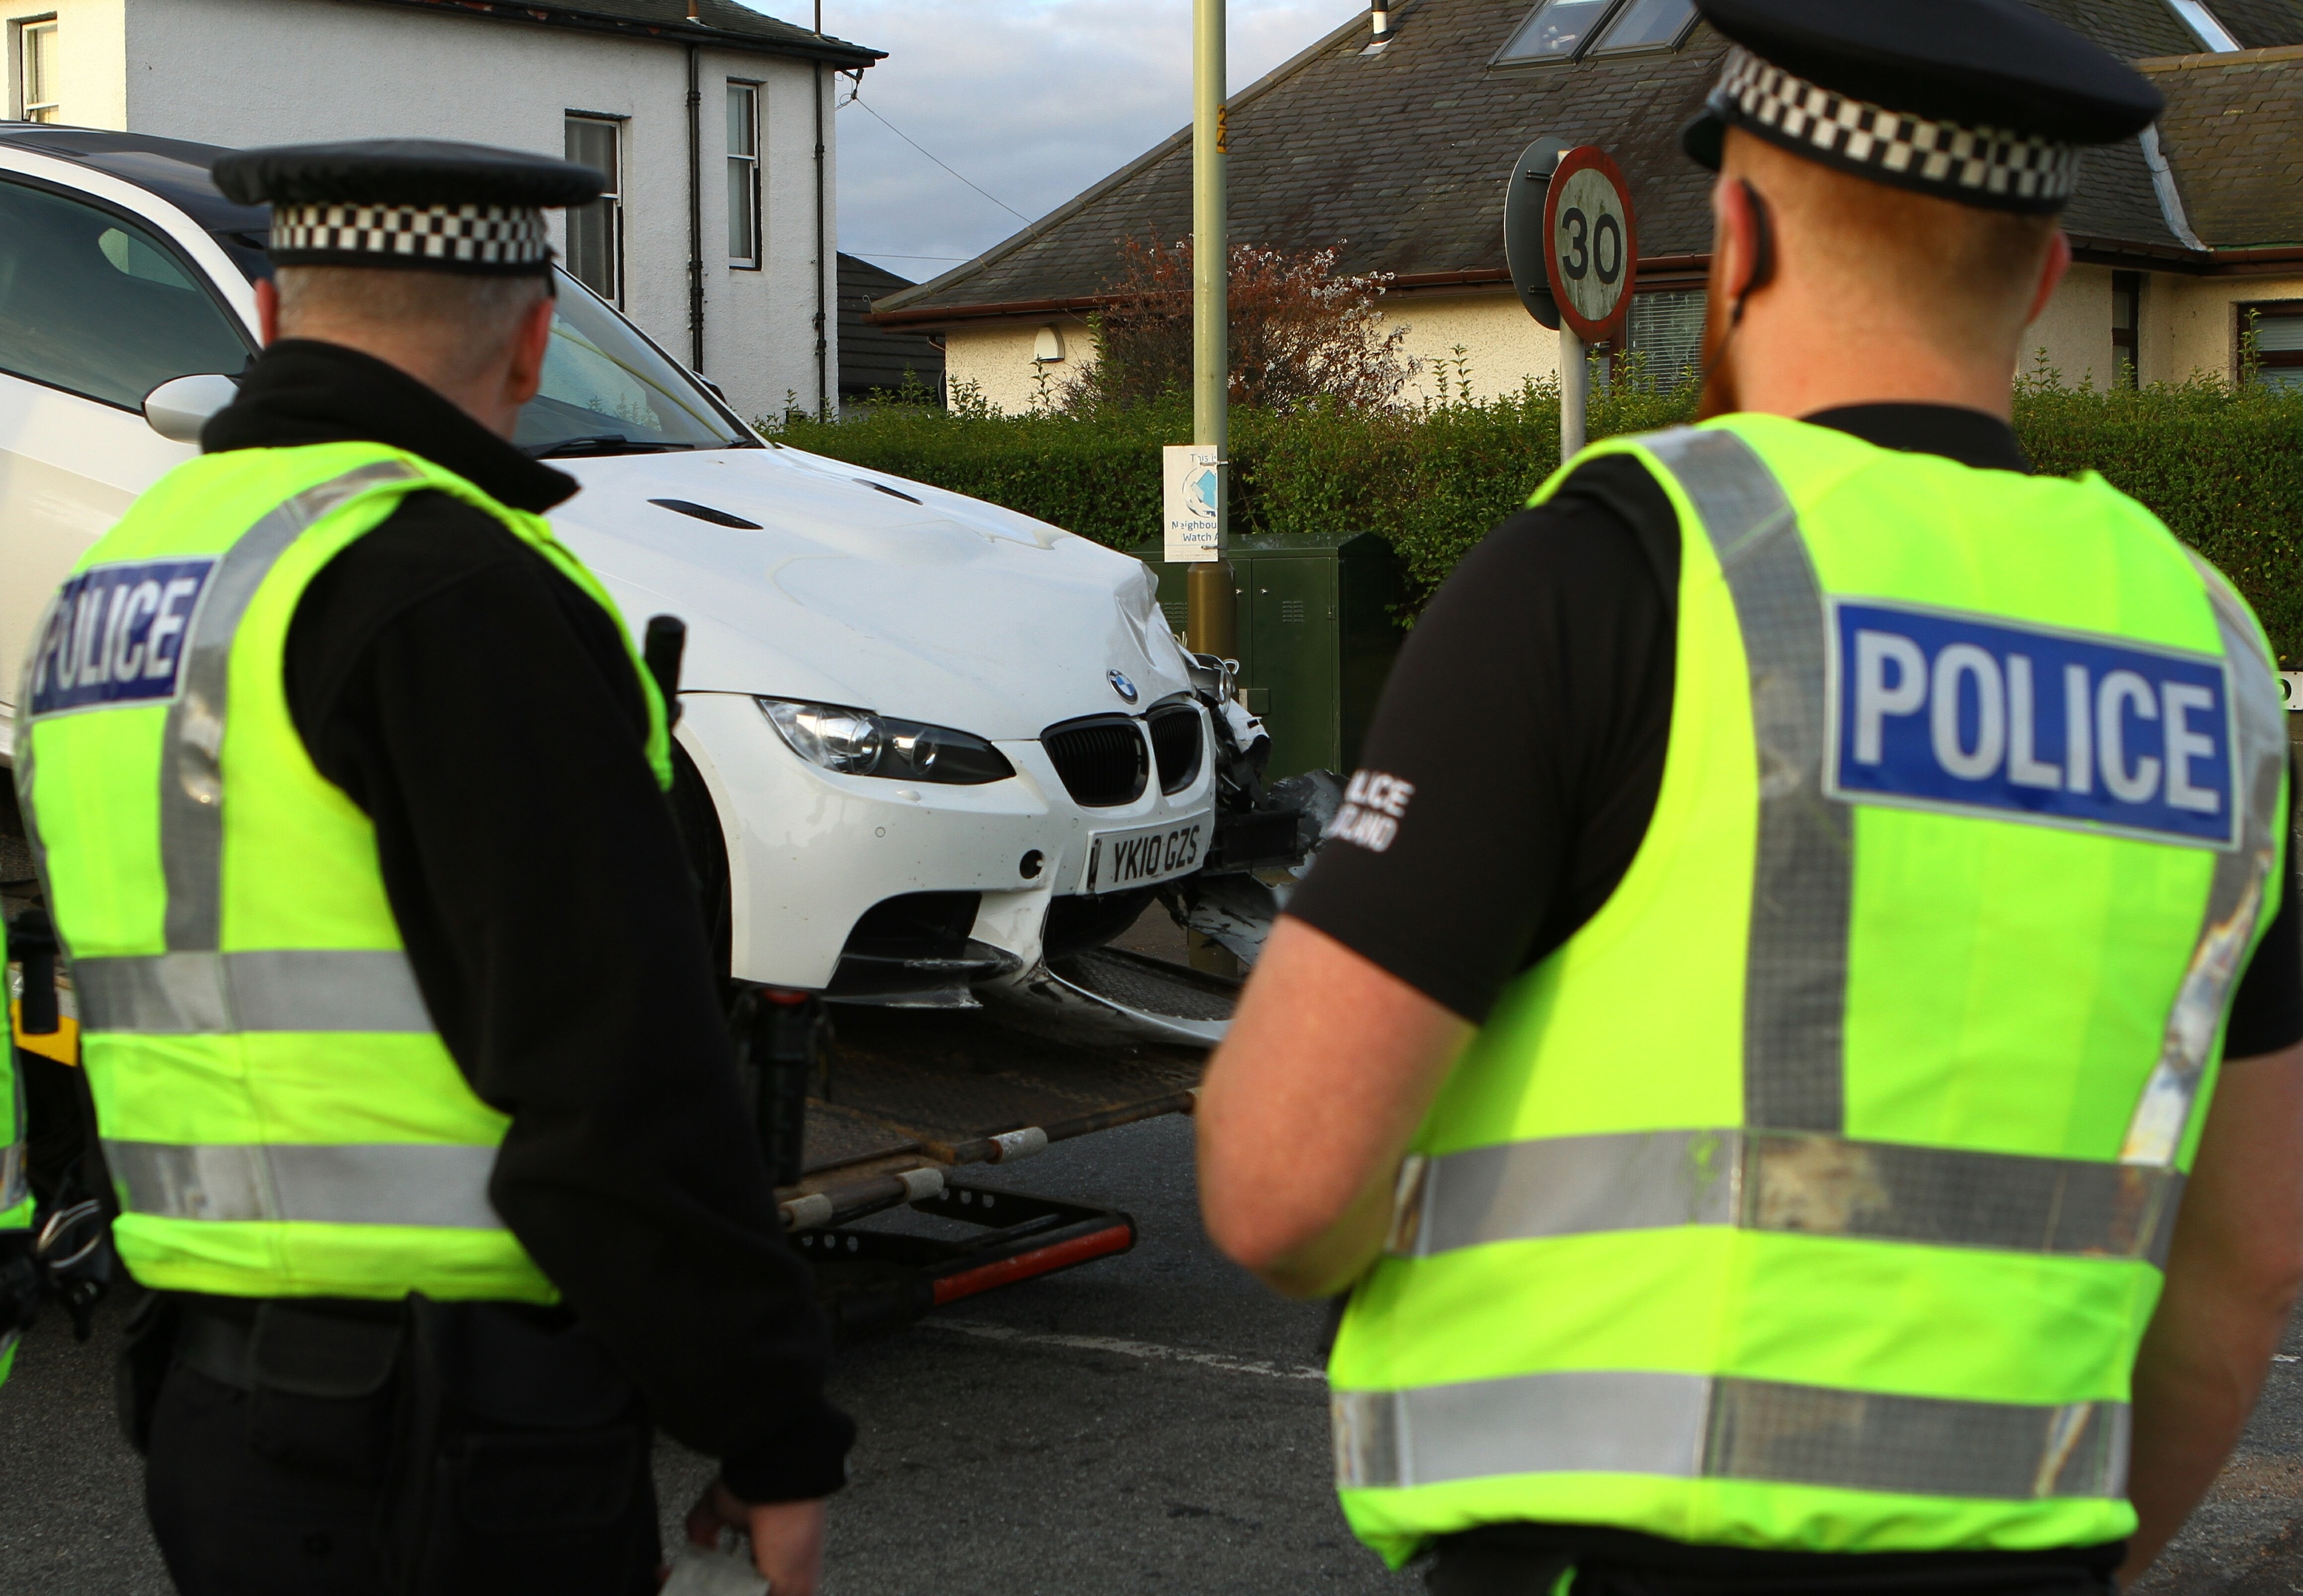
1590	247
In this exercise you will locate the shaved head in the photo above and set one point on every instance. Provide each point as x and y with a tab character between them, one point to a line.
460	325
1876	292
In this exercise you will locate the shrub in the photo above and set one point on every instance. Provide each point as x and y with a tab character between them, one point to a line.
1299	332
2221	465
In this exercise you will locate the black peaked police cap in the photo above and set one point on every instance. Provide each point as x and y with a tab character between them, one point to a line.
408	203
1984	102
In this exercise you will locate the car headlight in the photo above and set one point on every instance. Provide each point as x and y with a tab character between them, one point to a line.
858	742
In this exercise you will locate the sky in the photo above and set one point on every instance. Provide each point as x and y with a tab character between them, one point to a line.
1029	100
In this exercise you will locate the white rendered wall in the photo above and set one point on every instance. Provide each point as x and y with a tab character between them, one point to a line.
997	359
2200	328
1504	348
2074	329
91	56
270	71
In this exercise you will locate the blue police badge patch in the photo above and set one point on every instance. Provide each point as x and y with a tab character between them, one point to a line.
114	636
1933	709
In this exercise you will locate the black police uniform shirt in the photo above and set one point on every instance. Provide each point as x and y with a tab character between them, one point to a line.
1520	741
482	712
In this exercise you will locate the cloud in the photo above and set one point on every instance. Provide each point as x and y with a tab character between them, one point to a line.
1032	100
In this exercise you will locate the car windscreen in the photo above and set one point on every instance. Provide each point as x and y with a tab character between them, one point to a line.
606	388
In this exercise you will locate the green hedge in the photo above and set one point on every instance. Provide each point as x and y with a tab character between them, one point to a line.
2224	468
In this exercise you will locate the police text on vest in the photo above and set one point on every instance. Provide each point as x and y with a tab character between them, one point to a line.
116	634
1934	708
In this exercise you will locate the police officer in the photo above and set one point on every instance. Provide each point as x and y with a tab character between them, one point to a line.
349	794
1749	1083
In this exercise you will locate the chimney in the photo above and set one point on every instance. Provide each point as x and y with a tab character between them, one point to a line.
1380	11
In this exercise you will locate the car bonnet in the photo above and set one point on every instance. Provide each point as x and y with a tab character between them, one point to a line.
858	588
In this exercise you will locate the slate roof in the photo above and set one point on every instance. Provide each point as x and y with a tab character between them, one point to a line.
2230	133
2259	24
723	24
1399	159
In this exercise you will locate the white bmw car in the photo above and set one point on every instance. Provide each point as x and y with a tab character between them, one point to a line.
929	745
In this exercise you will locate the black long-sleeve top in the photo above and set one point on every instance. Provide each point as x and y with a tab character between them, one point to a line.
482	712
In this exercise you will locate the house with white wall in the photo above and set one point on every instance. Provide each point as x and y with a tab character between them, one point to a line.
1393	147
713	122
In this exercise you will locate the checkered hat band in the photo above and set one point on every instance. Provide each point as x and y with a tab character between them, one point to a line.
1977	164
481	235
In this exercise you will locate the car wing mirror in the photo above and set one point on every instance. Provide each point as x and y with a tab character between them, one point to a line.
177	408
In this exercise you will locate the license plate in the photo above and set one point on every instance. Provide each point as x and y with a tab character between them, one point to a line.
1117	860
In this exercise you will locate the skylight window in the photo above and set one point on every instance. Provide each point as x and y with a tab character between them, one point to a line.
2210	33
1570	29
1555	31
1646	25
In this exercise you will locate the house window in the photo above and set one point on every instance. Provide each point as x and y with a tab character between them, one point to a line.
595	232
2278	328
1555	30
1647	25
1666	331
744	175
2210	34
36	70
2126	321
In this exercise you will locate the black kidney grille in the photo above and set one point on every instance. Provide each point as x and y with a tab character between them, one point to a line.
1176	742
1103	762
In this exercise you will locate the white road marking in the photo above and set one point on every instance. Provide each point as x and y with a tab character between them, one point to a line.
1145	1349
2285	1357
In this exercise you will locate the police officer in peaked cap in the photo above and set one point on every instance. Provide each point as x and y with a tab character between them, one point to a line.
1792	1043
398	1006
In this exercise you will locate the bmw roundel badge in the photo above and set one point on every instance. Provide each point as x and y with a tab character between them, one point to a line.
1121	686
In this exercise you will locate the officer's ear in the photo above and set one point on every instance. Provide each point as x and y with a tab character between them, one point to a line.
2051	274
1760	247
529	346
267	310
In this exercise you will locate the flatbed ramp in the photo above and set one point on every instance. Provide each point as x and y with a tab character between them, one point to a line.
905	1102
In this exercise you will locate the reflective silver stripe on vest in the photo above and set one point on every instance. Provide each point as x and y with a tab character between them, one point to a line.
1685	1426
191	778
286	989
385	1183
1764	1180
2155	1136
1796	974
15	1187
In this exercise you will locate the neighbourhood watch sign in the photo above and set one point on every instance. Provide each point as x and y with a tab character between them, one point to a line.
1190	491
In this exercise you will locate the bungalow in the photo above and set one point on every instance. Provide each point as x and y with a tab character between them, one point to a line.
1392	144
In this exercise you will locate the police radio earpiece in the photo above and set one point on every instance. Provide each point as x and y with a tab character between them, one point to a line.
1763	253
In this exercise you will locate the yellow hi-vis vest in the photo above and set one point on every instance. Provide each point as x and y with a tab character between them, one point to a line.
1813	1196
280	1115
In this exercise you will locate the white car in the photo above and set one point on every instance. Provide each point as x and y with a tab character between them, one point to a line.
942	742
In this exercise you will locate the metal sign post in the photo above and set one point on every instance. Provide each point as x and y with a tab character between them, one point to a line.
1212	599
1591	256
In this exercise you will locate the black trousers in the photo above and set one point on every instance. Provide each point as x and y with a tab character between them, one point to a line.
266	1494
1532	1559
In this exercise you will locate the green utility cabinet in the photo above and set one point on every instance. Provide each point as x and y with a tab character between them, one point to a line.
1318	627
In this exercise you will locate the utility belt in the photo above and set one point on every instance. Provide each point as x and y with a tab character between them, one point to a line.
1545	1560
506	1449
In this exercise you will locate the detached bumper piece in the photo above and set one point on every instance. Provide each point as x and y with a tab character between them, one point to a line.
873	1280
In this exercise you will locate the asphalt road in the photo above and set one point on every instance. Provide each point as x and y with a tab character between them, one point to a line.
1147	1423
1152	1422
